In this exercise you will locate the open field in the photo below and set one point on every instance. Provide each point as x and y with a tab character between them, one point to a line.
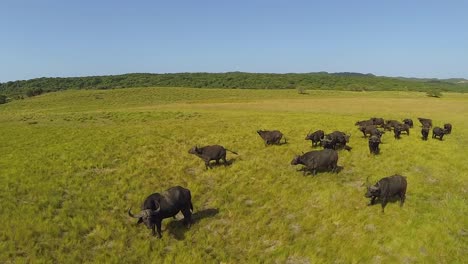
73	162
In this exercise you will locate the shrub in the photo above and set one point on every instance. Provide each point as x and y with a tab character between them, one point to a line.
434	93
3	99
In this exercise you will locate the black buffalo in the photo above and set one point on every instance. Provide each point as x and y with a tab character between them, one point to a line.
336	140
271	137
397	132
425	122
425	132
448	128
438	132
408	121
364	123
209	153
316	137
404	127
159	206
386	188
392	123
374	142
377	121
325	159
371	130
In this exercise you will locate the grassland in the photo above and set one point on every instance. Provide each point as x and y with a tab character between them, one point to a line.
73	162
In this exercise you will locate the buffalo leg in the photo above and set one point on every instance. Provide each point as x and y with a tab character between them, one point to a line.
158	225
384	203
402	199
187	217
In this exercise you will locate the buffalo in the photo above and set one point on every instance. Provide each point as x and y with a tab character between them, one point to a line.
425	132
325	159
374	142
316	137
404	127
386	188
209	153
371	130
336	140
364	123
408	121
425	122
159	206
438	132
397	132
377	121
448	128
271	137
392	123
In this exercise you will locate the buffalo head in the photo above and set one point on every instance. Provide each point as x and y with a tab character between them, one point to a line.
145	216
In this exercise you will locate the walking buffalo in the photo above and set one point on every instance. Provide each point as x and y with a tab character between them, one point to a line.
316	137
325	159
408	121
159	206
438	132
271	137
425	132
448	128
404	127
425	122
397	132
386	188
209	153
377	121
374	142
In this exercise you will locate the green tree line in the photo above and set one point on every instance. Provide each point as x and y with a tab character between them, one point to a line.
232	80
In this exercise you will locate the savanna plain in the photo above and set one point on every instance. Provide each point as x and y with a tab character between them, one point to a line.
73	162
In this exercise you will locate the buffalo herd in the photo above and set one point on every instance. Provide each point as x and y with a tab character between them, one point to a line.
159	206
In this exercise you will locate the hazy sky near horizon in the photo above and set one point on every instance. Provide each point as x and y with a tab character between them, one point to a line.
80	38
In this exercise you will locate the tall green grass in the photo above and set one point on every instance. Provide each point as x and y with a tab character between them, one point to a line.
73	162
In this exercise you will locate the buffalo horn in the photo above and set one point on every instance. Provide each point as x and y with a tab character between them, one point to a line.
139	215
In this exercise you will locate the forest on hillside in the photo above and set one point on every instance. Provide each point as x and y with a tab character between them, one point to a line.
232	80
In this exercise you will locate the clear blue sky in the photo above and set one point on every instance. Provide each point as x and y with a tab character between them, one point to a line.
79	38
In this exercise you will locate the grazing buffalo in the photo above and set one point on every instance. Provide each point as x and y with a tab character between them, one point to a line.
386	188
159	206
374	142
336	140
387	127
448	128
438	132
316	137
209	153
271	137
425	122
408	121
425	132
325	159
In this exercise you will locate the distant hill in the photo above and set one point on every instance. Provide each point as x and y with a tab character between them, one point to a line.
235	80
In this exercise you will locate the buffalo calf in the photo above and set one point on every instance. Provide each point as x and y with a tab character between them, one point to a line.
209	153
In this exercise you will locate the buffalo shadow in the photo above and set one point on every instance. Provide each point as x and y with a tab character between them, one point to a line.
177	228
309	172
229	162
